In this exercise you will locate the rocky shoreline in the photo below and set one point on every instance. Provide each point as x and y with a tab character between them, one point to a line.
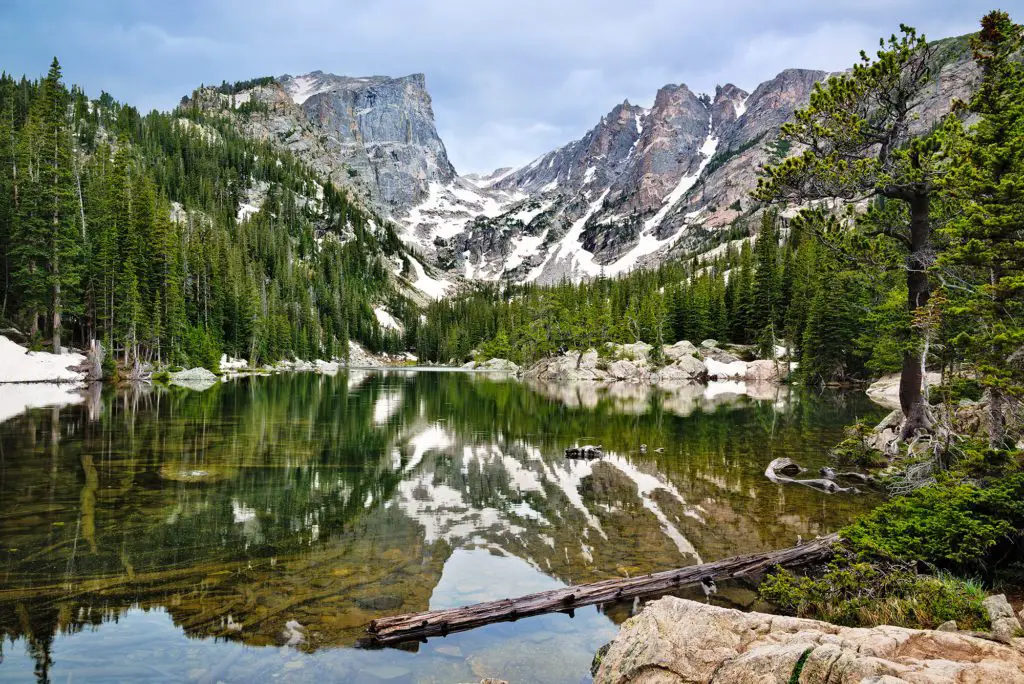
673	640
682	362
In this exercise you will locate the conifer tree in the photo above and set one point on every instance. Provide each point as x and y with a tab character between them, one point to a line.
986	239
858	144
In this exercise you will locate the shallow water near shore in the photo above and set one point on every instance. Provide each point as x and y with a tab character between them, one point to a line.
251	531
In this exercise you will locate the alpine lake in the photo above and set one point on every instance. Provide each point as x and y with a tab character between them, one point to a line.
251	531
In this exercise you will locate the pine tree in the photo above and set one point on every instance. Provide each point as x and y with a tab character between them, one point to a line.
764	312
986	240
856	135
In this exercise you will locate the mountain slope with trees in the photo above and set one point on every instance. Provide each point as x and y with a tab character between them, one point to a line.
141	231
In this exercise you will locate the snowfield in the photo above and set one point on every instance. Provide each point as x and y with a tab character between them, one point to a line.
36	379
18	364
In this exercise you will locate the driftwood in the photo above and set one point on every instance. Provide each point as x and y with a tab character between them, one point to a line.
391	630
777	467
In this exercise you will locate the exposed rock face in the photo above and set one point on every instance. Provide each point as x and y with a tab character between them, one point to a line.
375	135
674	640
642	185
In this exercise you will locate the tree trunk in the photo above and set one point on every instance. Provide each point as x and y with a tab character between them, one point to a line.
56	318
919	259
399	628
996	419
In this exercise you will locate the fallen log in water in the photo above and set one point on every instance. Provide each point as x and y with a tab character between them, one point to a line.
779	468
391	630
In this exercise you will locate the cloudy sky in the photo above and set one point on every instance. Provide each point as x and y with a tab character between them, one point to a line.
509	79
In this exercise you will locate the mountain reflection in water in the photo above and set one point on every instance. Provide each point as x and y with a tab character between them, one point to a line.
294	509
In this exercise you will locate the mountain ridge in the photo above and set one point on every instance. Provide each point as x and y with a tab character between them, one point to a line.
631	192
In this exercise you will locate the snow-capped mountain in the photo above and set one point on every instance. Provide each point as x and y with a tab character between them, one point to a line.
374	135
642	185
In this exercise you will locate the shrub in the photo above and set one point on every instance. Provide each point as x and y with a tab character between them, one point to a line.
656	356
109	367
860	594
957	526
854	451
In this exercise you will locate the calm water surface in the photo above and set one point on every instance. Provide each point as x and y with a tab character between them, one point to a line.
249	532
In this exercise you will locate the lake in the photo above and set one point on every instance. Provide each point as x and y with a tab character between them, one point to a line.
250	532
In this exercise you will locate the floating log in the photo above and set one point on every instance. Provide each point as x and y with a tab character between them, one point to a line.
392	630
776	468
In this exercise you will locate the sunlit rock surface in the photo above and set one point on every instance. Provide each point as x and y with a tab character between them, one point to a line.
674	640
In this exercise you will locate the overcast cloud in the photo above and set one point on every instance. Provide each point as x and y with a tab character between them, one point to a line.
509	80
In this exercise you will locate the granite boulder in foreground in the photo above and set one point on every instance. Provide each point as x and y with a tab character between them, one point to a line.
674	641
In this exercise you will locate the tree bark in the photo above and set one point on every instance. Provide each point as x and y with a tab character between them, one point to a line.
391	630
996	419
918	292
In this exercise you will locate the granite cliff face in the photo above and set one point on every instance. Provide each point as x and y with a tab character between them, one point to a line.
374	135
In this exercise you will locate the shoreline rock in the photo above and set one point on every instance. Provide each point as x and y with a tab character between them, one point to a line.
886	390
675	640
685	363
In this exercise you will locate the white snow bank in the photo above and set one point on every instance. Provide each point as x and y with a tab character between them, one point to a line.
18	364
427	285
721	370
16	398
229	364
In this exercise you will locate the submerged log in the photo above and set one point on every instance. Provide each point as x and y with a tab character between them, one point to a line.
776	468
392	630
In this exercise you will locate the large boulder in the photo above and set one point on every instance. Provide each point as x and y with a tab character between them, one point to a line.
886	432
638	351
630	371
680	350
498	366
198	379
571	366
1005	625
675	640
685	369
886	390
767	371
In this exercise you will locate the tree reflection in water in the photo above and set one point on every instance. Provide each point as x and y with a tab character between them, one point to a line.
328	501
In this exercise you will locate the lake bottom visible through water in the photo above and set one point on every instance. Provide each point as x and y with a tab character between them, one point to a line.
251	531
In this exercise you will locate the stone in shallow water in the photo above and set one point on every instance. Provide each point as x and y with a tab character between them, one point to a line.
382	602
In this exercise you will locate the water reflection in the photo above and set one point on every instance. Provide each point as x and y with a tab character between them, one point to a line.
295	509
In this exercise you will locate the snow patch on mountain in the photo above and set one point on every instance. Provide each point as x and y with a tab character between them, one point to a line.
435	289
570	257
386	320
448	208
301	88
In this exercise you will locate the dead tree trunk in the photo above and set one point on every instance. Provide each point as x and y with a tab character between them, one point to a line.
391	630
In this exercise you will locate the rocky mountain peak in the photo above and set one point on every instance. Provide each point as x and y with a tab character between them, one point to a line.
728	105
372	134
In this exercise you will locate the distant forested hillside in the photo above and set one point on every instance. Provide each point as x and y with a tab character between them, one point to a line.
143	231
